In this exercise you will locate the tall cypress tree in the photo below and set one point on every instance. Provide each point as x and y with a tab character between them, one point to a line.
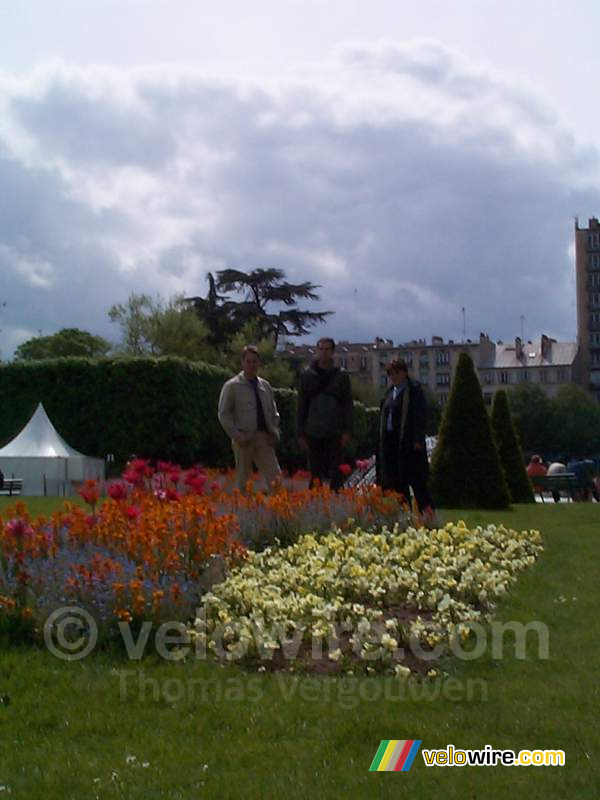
509	450
466	470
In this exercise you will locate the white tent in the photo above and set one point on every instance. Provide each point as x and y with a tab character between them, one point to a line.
47	464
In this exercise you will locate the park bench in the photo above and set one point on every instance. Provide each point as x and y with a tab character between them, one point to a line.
12	486
566	483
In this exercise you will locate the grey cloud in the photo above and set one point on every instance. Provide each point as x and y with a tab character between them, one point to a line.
402	221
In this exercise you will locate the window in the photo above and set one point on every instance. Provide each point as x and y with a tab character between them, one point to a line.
561	375
363	362
344	363
505	377
442	399
442	357
442	379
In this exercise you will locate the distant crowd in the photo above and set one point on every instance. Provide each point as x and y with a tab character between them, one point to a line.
583	470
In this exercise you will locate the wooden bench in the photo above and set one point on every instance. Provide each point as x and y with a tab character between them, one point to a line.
565	483
12	486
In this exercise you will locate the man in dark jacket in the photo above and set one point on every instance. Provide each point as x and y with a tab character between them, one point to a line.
325	410
402	456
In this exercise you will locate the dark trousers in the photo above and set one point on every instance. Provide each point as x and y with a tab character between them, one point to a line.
324	459
403	469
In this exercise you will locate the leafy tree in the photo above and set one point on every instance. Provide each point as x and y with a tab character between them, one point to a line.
151	327
434	411
67	342
276	370
509	450
466	470
260	288
576	422
365	392
534	418
217	313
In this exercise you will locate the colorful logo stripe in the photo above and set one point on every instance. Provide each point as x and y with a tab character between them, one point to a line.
395	755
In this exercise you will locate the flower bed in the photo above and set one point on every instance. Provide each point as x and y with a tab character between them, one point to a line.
144	552
353	601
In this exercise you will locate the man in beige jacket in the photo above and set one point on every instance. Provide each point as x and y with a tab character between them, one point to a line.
248	413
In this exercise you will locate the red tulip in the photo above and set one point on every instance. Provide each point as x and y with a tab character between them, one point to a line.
118	491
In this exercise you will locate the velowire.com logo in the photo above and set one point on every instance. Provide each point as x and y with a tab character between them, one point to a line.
395	755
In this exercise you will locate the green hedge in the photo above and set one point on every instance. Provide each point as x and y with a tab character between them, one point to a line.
153	407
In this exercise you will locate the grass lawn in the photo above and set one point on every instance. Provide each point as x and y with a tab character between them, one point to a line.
68	731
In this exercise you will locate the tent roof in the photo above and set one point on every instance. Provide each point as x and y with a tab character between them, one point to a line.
39	438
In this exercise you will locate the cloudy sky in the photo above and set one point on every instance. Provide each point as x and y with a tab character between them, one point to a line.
410	158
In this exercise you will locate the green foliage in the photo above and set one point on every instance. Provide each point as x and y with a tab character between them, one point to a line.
533	415
365	392
261	287
567	424
577	422
434	412
152	327
154	407
67	342
276	370
509	450
466	471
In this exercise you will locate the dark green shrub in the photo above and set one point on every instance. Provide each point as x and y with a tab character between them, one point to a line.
157	408
509	450
466	470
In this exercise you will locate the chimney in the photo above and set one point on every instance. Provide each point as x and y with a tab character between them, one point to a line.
546	347
519	348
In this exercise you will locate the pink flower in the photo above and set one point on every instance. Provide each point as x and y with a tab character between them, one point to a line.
139	465
132	512
197	483
118	491
133	477
90	492
19	528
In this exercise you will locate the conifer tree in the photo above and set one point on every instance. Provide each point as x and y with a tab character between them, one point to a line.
509	450
466	470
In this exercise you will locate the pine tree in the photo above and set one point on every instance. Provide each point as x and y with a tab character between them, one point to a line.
466	470
509	450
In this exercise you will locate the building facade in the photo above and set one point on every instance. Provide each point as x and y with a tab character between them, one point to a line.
545	362
587	273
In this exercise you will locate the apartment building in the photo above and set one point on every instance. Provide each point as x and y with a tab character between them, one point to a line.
545	362
587	274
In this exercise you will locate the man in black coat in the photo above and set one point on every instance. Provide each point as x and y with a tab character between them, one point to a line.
402	455
325	410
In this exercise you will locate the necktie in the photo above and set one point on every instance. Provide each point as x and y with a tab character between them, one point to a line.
389	419
261	424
